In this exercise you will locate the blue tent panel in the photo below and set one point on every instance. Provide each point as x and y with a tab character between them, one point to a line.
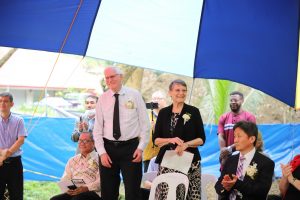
43	25
251	42
49	146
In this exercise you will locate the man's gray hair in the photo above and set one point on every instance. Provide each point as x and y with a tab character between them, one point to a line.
115	69
7	94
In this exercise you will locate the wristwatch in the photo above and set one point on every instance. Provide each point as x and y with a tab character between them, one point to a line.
294	180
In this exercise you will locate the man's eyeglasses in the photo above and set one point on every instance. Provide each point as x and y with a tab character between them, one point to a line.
84	141
111	77
90	102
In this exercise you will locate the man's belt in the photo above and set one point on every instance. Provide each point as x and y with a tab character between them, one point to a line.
11	159
120	143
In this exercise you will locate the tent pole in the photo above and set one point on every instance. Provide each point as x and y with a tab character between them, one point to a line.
192	88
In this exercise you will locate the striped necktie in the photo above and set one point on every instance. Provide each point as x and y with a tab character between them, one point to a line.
239	174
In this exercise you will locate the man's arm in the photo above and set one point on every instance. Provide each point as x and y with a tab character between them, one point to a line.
18	143
144	122
98	133
219	186
98	129
221	140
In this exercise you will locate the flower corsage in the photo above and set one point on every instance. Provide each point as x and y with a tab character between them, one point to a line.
186	117
129	104
252	170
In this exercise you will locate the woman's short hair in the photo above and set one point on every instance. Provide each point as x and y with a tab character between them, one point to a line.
177	81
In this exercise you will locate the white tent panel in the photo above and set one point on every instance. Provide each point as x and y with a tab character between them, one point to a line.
128	31
32	69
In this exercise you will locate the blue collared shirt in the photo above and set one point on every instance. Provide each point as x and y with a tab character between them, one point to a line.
10	130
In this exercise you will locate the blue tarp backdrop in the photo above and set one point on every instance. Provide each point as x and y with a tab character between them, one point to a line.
48	147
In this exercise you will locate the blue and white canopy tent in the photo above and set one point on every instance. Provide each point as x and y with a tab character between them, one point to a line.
252	42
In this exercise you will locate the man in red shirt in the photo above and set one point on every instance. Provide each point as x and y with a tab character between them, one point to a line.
226	123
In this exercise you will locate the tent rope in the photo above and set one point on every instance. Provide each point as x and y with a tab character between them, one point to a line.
53	67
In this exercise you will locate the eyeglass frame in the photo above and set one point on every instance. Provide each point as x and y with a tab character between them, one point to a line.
84	141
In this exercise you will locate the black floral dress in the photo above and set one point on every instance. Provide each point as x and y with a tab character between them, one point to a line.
194	176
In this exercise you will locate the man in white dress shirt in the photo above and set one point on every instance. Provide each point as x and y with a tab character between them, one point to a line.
121	132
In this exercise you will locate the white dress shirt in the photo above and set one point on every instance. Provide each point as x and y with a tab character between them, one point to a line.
249	156
134	121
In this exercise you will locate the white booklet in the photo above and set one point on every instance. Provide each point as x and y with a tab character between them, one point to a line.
72	184
180	163
149	176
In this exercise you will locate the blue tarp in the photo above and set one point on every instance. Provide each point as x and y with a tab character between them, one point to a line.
48	147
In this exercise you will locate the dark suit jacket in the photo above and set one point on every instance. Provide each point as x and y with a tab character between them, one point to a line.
192	129
251	189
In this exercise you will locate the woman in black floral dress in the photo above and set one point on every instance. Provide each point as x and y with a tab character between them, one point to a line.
179	127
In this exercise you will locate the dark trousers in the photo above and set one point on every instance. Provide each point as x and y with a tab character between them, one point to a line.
11	175
121	154
83	196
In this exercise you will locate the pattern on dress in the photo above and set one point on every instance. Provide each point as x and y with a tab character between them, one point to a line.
194	190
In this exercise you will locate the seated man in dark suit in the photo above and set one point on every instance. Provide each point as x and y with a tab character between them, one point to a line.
247	175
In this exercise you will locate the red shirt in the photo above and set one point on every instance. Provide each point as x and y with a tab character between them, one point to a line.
227	121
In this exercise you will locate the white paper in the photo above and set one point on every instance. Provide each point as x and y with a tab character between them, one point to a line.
180	163
149	176
63	184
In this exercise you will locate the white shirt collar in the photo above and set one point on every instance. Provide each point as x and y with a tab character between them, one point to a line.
249	156
120	92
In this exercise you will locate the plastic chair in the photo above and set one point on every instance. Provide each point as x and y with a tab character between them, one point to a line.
173	180
207	180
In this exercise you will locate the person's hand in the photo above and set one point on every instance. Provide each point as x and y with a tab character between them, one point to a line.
286	170
147	184
2	158
176	140
228	182
78	190
105	160
224	152
137	155
83	126
181	148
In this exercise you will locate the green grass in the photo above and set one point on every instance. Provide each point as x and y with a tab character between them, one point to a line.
44	190
40	190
